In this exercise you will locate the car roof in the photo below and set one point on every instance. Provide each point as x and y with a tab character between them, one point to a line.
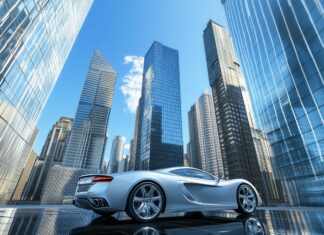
169	169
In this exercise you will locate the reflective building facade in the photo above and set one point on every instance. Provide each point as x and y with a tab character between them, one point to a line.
88	137
203	135
159	142
280	44
35	40
234	131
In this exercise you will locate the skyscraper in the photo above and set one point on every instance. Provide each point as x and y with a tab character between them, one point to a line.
87	142
52	153
116	154
280	44
204	135
159	142
23	179
133	143
35	40
235	137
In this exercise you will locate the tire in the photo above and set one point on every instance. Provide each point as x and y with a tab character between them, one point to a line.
247	200
145	202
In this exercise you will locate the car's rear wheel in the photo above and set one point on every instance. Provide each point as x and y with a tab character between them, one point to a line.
145	202
246	199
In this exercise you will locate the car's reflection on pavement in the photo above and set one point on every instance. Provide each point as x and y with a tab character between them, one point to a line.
191	224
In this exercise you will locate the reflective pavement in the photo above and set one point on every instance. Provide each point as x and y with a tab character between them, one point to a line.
71	220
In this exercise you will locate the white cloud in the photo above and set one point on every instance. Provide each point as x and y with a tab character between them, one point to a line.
132	82
127	146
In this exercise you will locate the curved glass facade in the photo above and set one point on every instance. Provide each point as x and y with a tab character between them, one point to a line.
35	40
280	44
160	142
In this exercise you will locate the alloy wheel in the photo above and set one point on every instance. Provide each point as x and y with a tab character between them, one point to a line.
147	201
247	198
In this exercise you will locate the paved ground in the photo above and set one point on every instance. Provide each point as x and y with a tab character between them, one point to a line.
67	219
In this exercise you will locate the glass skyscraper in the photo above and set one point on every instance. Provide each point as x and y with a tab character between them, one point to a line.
35	40
159	142
88	138
234	131
280	44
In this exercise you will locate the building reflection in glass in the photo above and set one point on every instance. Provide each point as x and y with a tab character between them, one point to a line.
69	220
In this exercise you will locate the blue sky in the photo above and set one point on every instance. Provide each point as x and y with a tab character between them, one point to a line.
121	28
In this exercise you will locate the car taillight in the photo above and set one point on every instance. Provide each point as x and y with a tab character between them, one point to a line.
97	179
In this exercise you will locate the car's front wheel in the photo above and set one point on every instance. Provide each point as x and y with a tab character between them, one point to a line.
246	199
145	202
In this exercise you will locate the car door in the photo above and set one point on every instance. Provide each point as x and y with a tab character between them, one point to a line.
202	187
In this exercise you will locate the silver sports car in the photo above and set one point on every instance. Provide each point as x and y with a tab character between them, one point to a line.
144	195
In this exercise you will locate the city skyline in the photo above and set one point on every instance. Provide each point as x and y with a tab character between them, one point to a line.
163	116
100	31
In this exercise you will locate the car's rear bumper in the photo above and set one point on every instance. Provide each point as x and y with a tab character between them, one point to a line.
83	203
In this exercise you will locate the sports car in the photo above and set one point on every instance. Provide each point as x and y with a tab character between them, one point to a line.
144	195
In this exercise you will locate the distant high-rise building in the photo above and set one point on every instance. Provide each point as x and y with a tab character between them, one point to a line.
88	138
186	160
52	153
193	148
204	136
24	176
116	154
127	163
235	137
188	148
104	168
31	60
280	44
133	144
159	141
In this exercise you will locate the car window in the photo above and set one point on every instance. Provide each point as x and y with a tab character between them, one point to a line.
193	173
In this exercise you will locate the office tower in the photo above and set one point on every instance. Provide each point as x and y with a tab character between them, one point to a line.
186	160
87	142
52	153
56	140
133	147
104	168
280	44
189	154
204	136
116	154
194	148
35	41
17	195
159	142
235	137
127	163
